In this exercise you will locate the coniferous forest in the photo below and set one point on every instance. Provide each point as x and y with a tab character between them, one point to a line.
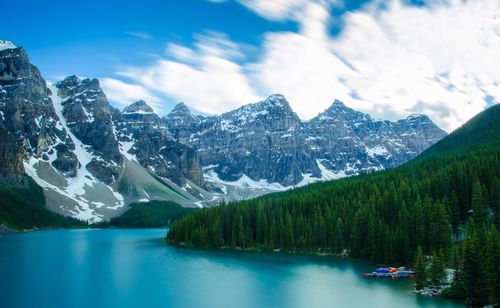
444	206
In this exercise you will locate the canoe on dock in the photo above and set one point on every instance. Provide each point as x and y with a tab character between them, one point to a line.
390	272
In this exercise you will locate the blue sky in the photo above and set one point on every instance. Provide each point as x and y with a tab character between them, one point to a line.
387	58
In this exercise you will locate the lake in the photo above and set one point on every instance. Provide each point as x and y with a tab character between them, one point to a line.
135	268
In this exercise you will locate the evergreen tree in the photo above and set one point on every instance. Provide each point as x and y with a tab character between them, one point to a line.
473	272
493	265
479	204
420	270
437	270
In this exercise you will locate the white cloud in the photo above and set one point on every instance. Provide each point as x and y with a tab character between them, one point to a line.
205	77
281	10
140	34
124	94
441	60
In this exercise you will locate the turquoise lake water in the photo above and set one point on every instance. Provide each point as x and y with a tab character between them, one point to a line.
135	268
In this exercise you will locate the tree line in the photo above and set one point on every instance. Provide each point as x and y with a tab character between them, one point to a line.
383	217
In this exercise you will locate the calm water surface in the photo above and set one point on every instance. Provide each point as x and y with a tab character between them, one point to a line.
134	268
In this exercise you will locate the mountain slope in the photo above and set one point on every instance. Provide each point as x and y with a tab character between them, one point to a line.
266	146
480	131
93	160
382	217
24	208
76	146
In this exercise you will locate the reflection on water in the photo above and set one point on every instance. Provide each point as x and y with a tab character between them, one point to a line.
134	268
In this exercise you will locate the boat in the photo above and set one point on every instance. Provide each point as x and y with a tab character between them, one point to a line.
390	272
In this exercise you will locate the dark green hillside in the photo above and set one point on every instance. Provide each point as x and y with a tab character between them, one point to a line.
481	131
154	214
382	217
25	209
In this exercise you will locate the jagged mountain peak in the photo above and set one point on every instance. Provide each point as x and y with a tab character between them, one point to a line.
338	106
140	107
4	44
180	108
418	117
276	101
181	115
17	54
180	111
338	111
275	105
76	83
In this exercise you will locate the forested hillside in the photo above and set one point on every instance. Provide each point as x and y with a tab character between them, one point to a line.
450	193
153	214
24	208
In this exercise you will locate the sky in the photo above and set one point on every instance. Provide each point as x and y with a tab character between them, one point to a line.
387	58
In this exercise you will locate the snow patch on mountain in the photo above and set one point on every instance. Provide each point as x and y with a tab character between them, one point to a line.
6	45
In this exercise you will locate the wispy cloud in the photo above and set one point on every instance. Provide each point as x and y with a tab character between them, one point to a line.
440	59
123	94
140	35
206	76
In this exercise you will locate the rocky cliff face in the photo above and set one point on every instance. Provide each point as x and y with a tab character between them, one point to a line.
261	141
11	161
28	115
147	140
92	159
349	142
267	142
89	117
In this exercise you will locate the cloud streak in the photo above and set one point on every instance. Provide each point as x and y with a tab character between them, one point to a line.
140	35
124	94
441	59
206	77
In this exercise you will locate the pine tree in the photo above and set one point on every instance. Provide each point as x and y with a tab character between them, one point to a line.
241	233
454	214
437	270
420	270
479	204
473	272
492	264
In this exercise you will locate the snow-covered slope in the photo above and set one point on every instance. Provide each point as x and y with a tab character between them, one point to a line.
92	159
6	45
265	147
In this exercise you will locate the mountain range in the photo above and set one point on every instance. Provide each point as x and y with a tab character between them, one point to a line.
92	160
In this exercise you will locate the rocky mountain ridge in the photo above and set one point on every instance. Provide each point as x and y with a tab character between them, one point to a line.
267	141
93	159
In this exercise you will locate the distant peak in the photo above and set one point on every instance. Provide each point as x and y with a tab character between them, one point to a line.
181	107
76	82
180	110
417	116
277	100
337	106
71	79
139	106
276	96
4	44
337	102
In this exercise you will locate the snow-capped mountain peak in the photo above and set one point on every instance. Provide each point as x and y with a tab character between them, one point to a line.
138	107
4	44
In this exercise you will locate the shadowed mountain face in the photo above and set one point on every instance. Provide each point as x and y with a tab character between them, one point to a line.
267	141
92	159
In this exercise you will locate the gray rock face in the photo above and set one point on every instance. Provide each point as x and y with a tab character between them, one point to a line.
154	147
74	144
27	112
352	142
11	161
267	141
92	160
